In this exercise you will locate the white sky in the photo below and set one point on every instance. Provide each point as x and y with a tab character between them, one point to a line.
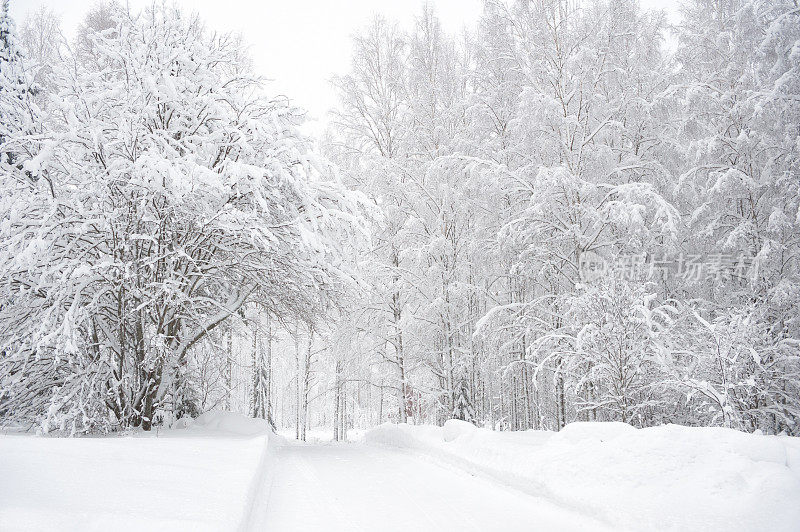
300	44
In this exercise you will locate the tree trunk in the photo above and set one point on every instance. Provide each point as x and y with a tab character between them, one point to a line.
147	413
306	385
336	405
297	379
268	379
229	369
256	375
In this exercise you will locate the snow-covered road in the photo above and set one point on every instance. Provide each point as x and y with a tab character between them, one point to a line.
229	472
361	487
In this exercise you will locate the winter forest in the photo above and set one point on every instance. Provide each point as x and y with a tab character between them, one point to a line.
573	211
541	272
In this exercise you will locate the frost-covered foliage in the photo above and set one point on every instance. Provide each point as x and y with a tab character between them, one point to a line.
163	193
570	219
18	113
577	224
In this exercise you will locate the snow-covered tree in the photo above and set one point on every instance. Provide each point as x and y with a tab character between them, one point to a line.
18	110
568	218
168	193
559	176
739	61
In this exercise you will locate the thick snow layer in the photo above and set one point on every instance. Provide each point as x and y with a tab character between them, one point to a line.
208	476
453	428
321	434
233	424
660	478
228	472
352	487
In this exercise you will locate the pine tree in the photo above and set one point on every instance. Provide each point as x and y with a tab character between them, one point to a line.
17	109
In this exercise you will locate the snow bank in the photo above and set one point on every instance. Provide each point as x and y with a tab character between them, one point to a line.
582	432
207	476
321	434
660	478
233	424
453	428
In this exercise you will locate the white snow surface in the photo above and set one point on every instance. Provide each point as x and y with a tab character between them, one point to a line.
204	477
661	478
227	472
356	487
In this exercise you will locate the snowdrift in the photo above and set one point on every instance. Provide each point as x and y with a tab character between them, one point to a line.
232	424
204	476
660	478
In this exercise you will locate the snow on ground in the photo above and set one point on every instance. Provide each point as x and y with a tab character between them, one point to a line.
353	487
205	477
659	478
227	472
321	434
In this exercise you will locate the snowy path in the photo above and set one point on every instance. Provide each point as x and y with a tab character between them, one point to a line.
364	488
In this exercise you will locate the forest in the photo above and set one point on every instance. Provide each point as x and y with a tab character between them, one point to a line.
576	210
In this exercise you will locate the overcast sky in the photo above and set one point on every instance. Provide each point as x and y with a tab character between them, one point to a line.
299	44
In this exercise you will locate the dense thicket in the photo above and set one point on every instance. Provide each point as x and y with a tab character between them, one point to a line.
580	221
575	212
155	193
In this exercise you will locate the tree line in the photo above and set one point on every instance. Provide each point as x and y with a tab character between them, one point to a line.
587	213
574	211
